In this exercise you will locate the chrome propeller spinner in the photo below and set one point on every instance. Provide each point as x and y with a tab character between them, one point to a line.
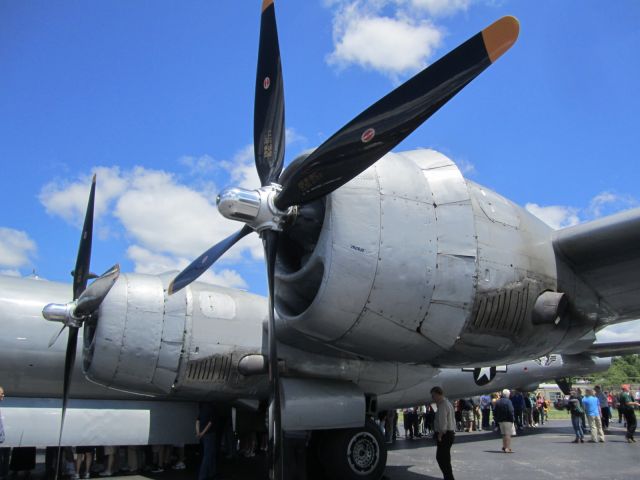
256	208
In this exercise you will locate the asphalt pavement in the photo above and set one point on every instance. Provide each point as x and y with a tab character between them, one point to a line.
541	453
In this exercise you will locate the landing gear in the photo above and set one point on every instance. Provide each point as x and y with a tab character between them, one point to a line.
350	454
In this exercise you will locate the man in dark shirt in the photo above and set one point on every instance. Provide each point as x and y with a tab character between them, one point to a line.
205	433
467	413
518	407
626	404
503	414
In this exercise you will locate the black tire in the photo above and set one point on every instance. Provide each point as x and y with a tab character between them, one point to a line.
353	454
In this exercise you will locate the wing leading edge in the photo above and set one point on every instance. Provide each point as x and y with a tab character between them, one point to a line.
614	349
605	253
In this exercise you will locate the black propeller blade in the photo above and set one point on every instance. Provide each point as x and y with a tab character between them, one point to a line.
204	261
268	117
373	133
83	260
80	278
269	143
270	240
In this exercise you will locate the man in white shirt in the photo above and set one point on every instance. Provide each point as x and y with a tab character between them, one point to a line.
444	426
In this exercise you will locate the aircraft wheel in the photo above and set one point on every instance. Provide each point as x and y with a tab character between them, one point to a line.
354	454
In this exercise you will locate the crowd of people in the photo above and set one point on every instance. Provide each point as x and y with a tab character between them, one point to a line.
508	412
470	415
591	412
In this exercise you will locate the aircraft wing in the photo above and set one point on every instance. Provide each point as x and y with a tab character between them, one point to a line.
605	253
603	350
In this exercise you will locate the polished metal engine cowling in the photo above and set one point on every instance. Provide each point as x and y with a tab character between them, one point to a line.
186	344
413	263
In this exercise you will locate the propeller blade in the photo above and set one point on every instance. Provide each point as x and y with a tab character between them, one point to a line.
204	261
373	133
270	240
93	296
268	116
55	336
81	272
69	362
80	277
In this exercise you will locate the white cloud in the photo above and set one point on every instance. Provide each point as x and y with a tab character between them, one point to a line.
291	136
69	199
622	332
168	222
202	165
16	249
609	202
394	37
556	216
561	216
166	216
390	45
441	7
242	169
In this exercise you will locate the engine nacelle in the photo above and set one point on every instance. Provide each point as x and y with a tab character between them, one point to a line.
191	342
414	263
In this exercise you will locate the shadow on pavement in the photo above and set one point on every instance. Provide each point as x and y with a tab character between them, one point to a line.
393	472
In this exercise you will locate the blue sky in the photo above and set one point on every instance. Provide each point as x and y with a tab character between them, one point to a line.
158	97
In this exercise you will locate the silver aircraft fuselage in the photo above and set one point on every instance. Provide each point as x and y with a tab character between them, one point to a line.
31	375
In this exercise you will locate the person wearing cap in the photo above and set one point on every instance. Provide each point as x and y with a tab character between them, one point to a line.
504	416
444	427
626	404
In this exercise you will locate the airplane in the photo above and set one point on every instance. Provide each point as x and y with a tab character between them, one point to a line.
210	371
385	268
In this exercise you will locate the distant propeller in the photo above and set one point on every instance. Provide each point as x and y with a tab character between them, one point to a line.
85	302
346	154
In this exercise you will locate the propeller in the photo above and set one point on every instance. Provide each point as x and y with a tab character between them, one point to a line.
351	150
85	302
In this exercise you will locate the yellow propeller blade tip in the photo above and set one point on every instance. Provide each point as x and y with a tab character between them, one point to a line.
500	35
265	4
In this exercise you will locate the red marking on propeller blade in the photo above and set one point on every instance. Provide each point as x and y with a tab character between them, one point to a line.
368	135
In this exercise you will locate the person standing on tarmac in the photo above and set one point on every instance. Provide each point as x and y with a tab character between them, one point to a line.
4	451
444	428
626	404
505	417
205	433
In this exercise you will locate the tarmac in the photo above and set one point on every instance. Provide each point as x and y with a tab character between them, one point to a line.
546	452
541	453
